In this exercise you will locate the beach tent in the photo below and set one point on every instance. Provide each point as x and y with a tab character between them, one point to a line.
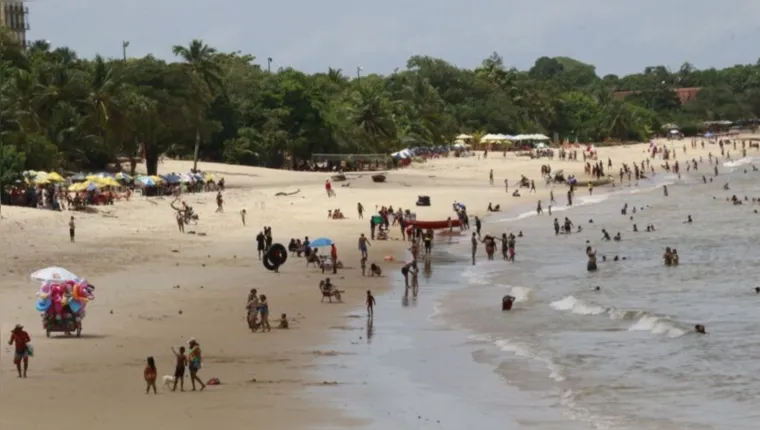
403	154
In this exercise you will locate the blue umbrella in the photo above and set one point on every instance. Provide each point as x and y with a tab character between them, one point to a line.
146	180
171	178
321	242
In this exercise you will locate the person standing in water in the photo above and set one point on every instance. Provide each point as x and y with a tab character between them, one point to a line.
478	225
474	242
591	265
539	210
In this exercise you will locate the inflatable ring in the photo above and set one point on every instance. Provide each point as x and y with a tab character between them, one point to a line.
277	254
268	263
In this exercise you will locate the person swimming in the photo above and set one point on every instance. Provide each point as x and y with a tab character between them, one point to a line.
699	328
618	237
688	219
605	235
507	302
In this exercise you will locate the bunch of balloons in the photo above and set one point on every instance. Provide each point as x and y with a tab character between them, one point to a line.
55	299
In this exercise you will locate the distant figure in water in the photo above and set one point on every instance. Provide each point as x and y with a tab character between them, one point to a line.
598	288
689	220
757	290
635	228
699	328
665	190
506	303
591	265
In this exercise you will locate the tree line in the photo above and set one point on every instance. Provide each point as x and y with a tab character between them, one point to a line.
62	112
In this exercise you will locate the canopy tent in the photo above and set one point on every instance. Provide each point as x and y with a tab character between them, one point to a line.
496	138
521	137
403	154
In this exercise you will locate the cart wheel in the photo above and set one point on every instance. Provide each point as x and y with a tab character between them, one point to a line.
47	332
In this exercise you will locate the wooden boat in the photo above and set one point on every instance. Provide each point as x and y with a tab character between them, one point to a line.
378	178
434	225
594	182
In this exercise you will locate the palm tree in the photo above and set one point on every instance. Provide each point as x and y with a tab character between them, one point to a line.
201	63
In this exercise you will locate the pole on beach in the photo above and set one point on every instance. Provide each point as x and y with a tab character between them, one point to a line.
269	64
124	45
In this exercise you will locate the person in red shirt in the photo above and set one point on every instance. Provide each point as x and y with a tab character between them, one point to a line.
328	188
21	339
334	257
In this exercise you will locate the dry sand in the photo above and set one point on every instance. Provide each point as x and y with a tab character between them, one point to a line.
134	255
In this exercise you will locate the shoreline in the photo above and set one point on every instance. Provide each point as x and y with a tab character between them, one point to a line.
127	251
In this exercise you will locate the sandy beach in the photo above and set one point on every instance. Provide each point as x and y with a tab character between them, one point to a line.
156	288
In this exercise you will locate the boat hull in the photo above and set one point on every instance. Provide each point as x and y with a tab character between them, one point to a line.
434	225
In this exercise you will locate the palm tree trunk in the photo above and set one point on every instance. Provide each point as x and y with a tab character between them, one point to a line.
197	143
197	148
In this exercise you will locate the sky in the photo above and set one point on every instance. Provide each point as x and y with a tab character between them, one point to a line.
617	36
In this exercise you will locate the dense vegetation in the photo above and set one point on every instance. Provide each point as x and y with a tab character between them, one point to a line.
58	111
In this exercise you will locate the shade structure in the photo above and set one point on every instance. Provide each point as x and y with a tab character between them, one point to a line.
321	242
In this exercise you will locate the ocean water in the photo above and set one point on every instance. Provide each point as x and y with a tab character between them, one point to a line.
568	356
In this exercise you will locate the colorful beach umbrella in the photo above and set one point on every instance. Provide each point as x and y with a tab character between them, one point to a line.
121	176
107	182
321	242
54	274
146	181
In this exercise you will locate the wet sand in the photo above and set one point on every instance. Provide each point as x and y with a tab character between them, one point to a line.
133	254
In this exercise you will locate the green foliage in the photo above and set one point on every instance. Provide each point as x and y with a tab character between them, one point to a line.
58	111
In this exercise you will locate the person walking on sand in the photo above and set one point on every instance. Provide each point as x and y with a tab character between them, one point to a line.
194	363
334	257
242	216
360	209
370	304
260	244
179	368
72	229
150	374
532	186
490	177
219	202
22	351
506	185
328	188
363	244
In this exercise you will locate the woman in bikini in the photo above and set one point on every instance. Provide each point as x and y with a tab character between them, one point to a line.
194	363
264	313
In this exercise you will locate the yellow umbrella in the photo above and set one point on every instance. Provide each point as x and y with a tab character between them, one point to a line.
54	177
82	186
107	182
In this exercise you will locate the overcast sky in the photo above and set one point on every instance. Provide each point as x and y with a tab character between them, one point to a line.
618	36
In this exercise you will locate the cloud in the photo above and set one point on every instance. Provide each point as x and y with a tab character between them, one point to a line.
616	36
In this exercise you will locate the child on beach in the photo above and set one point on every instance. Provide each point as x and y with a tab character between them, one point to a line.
179	369
283	322
364	266
264	313
150	374
370	304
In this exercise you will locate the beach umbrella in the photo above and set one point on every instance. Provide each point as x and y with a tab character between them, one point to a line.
121	176
55	177
79	177
41	180
107	182
146	180
54	274
171	178
321	242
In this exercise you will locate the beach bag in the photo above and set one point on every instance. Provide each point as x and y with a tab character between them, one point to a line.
29	350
